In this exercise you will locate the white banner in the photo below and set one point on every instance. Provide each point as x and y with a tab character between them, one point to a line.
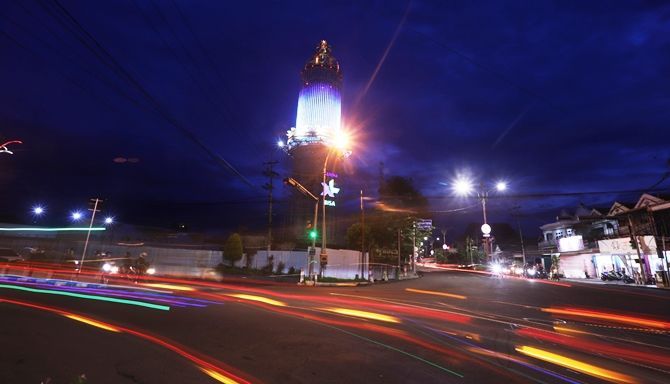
622	246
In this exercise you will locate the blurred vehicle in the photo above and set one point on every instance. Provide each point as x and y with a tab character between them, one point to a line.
517	270
108	270
8	255
535	271
474	267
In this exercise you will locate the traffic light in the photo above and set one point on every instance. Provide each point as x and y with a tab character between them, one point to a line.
312	234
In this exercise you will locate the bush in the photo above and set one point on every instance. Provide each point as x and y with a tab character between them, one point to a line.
292	271
280	267
267	270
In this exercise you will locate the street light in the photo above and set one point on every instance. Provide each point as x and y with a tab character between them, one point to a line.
109	220
38	210
463	186
312	233
340	142
76	216
280	143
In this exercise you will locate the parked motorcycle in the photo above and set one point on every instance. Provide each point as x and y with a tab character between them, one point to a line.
609	276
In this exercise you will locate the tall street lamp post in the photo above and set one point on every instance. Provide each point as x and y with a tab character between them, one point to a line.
340	144
464	187
312	234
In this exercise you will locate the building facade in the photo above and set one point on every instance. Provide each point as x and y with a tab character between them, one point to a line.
629	238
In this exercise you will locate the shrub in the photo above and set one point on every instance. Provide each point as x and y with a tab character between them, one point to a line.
280	267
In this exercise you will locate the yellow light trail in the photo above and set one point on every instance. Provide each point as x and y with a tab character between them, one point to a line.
92	322
363	314
169	286
257	298
575	365
217	376
569	330
453	296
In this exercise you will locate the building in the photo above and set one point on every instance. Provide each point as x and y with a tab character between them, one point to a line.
629	238
641	242
318	126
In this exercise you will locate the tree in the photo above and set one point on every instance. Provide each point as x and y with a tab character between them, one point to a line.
399	194
354	238
232	250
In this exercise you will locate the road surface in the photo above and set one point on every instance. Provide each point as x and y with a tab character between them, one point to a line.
446	327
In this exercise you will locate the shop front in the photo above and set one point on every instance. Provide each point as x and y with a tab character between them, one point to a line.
619	255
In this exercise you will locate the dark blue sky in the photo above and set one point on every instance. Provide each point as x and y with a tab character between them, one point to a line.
555	97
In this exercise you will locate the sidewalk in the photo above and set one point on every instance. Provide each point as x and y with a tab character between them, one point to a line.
621	283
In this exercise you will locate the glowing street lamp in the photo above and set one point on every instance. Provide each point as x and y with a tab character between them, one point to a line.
38	210
109	220
280	143
76	216
463	186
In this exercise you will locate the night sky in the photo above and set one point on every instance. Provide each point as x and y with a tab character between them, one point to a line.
554	97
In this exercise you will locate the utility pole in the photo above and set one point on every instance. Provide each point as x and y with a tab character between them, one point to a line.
362	236
95	202
414	253
310	254
523	249
399	238
643	266
268	186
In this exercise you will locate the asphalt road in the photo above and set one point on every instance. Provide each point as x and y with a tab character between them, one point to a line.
446	327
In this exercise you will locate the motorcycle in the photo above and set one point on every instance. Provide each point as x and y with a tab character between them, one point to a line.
108	270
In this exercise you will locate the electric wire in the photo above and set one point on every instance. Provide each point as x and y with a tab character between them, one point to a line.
100	52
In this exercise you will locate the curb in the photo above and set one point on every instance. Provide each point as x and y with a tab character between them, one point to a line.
636	286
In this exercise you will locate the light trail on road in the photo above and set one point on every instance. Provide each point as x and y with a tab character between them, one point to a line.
87	297
576	365
203	363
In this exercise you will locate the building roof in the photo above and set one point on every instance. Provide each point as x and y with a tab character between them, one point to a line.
322	67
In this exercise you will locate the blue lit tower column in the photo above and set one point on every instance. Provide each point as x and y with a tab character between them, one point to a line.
318	122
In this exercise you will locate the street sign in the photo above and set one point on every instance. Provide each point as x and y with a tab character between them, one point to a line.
386	252
424	224
312	251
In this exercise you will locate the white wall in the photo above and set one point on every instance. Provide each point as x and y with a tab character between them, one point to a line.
342	263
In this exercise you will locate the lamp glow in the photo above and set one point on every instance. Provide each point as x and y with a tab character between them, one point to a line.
501	186
109	220
38	210
280	143
462	186
76	215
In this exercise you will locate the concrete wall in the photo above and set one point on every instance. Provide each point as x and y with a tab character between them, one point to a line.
342	263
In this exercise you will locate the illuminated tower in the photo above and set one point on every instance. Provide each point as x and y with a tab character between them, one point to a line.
317	126
318	120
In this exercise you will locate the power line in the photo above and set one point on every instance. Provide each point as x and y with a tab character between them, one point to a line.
106	58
